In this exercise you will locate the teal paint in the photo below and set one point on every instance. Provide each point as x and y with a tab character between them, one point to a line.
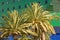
22	3
9	4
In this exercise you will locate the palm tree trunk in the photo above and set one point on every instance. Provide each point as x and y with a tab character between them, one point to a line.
43	36
15	38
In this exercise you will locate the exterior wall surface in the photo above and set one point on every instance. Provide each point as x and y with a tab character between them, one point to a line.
10	5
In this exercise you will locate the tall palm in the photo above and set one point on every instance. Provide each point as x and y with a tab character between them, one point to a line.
40	21
14	24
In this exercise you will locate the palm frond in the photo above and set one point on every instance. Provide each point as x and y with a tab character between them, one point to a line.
32	33
40	20
14	24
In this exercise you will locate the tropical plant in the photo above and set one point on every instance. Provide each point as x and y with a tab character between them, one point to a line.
33	21
40	21
14	24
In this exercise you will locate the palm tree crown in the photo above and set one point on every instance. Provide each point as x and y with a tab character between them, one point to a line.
13	24
40	21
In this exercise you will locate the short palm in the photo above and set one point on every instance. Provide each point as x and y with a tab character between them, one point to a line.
40	21
14	24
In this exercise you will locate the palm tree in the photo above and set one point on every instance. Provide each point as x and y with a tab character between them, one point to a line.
14	24
40	21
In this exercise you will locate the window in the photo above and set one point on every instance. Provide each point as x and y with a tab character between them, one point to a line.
2	10
13	7
2	3
8	9
46	1
39	2
19	6
25	6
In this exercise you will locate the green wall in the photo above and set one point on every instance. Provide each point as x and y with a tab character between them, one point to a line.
10	5
55	22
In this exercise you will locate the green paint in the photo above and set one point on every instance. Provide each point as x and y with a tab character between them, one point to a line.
22	3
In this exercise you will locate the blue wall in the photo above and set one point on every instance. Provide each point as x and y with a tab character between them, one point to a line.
55	37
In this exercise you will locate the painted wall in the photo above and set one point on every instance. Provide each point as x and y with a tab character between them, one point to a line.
6	5
55	37
9	5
